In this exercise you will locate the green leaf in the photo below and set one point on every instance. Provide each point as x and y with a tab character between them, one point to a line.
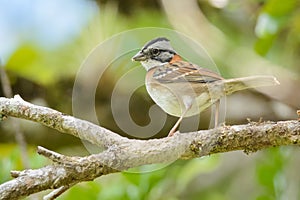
88	190
280	8
263	45
28	62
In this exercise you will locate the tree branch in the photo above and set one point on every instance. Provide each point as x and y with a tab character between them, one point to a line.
66	172
55	193
122	153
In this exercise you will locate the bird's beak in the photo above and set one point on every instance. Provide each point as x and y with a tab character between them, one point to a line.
140	56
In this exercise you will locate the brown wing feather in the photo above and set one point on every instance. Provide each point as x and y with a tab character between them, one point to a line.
181	71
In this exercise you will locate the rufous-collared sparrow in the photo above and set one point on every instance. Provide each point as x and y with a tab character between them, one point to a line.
184	89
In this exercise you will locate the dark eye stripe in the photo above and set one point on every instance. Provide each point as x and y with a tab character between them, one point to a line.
157	56
161	60
167	50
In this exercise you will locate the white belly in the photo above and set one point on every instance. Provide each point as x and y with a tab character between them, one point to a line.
174	103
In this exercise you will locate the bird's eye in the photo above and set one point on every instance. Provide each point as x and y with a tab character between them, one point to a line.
155	52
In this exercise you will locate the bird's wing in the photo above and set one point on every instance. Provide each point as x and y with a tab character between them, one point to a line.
182	71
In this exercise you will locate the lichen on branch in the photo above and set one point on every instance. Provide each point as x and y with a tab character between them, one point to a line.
121	153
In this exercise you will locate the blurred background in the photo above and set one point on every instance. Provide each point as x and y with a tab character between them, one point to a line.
44	45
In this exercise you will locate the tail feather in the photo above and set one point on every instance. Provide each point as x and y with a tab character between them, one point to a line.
237	84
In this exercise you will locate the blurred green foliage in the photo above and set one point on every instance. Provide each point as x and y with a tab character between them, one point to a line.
271	26
10	159
270	173
274	18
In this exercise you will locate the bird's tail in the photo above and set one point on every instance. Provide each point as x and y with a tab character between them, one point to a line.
236	84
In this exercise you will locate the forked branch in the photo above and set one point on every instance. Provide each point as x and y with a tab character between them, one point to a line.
121	153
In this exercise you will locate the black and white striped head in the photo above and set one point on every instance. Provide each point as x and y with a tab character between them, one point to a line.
155	53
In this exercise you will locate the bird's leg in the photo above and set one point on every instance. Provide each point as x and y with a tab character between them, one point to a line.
172	131
188	105
217	111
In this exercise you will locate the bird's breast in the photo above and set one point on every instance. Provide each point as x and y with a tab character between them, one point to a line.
174	98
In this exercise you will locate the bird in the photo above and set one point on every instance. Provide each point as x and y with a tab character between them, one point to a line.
183	89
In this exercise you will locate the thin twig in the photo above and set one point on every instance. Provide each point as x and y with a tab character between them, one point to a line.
55	157
6	87
57	192
19	135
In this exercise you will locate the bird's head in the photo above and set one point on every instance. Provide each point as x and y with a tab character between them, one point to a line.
155	52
